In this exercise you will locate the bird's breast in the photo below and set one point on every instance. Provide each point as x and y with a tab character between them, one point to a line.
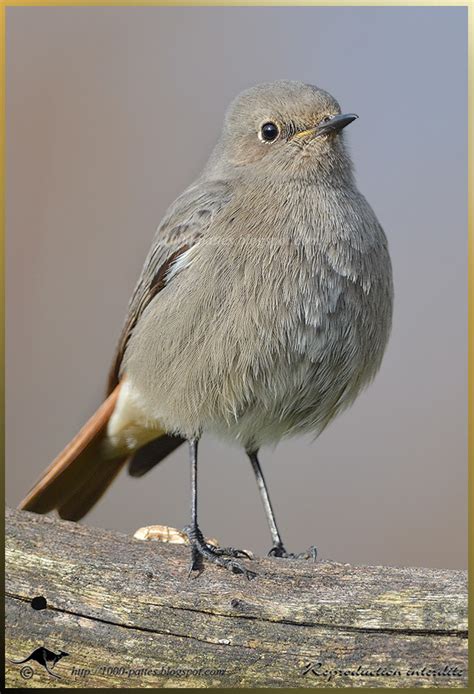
272	324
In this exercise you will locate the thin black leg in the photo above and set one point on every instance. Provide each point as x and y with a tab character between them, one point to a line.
200	549
278	549
194	529
193	451
267	504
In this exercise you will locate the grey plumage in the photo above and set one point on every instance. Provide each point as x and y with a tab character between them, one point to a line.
263	308
278	310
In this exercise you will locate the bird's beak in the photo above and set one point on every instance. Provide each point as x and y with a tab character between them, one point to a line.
333	125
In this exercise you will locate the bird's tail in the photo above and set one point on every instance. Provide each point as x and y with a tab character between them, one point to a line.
81	473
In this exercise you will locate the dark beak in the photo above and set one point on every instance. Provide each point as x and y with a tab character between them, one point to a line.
335	124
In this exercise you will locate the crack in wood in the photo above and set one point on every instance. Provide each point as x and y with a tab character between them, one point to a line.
258	635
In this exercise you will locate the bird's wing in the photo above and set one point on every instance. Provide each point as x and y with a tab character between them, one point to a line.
79	475
185	222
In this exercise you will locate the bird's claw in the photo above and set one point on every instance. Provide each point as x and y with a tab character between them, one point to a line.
222	556
280	552
232	552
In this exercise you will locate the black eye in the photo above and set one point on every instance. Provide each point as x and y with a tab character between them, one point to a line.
269	132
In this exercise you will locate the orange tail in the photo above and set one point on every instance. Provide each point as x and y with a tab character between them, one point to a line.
80	474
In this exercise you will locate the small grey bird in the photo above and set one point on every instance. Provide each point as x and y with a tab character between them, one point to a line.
263	308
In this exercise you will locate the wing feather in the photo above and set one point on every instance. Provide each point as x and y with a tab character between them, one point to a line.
183	225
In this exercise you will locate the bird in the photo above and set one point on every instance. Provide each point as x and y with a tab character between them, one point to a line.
264	307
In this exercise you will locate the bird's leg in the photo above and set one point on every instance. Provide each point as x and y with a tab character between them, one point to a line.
200	549
267	505
278	549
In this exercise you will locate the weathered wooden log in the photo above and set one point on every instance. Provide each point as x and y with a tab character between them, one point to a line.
127	615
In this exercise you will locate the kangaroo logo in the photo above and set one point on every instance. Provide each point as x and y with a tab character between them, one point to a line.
43	656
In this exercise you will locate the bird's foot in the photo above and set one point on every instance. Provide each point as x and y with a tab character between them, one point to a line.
280	552
222	556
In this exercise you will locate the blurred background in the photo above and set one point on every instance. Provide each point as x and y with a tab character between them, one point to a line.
111	112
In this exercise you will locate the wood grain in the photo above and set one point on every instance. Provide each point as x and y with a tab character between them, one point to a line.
128	616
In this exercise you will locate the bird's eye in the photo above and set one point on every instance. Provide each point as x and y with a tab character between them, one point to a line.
269	132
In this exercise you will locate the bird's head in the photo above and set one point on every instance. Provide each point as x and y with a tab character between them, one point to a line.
283	129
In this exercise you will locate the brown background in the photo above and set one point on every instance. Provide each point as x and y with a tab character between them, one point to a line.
110	114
